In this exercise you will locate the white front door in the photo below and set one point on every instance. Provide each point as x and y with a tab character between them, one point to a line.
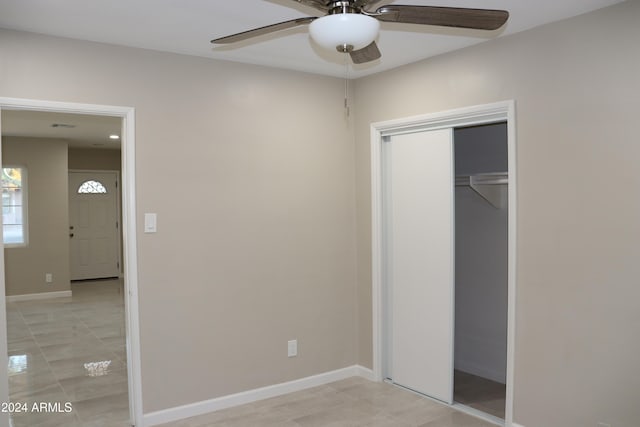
93	225
418	176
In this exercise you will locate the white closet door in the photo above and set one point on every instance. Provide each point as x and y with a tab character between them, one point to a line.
420	260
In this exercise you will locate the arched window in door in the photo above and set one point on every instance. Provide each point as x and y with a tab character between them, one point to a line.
92	187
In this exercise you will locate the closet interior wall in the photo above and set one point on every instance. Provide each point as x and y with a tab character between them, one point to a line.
481	256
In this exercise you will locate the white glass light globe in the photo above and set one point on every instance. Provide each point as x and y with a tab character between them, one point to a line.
352	29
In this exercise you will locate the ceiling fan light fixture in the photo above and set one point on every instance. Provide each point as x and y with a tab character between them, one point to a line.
340	30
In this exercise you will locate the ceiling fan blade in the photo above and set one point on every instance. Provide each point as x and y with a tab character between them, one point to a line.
318	4
363	3
262	31
480	19
366	54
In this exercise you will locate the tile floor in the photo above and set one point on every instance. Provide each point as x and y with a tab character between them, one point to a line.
349	403
479	393
70	350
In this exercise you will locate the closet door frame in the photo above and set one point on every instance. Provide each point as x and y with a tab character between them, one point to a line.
380	132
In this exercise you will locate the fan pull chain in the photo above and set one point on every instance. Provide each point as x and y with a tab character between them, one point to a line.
346	84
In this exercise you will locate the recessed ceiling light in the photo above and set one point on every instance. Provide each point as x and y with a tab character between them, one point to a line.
114	136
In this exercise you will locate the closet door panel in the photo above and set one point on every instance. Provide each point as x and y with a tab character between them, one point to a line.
420	268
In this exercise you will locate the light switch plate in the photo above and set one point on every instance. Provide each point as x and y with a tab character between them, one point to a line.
292	348
150	223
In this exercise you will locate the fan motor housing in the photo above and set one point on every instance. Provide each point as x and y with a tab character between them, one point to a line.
341	7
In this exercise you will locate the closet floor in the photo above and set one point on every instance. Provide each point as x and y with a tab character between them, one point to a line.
479	393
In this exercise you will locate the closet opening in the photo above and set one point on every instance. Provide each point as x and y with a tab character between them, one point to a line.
481	268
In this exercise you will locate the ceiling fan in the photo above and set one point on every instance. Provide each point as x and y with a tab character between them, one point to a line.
351	27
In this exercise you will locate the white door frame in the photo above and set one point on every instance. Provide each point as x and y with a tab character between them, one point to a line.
118	208
129	241
482	114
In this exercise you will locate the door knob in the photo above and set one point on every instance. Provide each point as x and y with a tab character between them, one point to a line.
70	234
71	227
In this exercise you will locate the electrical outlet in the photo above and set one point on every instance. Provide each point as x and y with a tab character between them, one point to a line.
48	278
292	348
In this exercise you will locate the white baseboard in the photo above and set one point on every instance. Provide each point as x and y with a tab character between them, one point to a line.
516	425
200	408
365	373
42	295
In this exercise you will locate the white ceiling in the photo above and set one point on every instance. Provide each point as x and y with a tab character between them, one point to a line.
186	26
87	131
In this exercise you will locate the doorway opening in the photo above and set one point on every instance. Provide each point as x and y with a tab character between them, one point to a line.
481	269
418	320
125	282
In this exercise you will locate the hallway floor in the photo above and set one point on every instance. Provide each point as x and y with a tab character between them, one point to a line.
70	350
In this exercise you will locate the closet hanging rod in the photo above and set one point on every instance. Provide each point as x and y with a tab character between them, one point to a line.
495	178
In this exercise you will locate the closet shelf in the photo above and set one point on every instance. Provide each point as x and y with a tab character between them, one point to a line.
490	186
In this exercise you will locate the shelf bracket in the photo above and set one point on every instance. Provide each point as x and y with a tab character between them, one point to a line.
492	187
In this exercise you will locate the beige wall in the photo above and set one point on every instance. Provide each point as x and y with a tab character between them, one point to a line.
250	171
578	97
48	217
94	159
